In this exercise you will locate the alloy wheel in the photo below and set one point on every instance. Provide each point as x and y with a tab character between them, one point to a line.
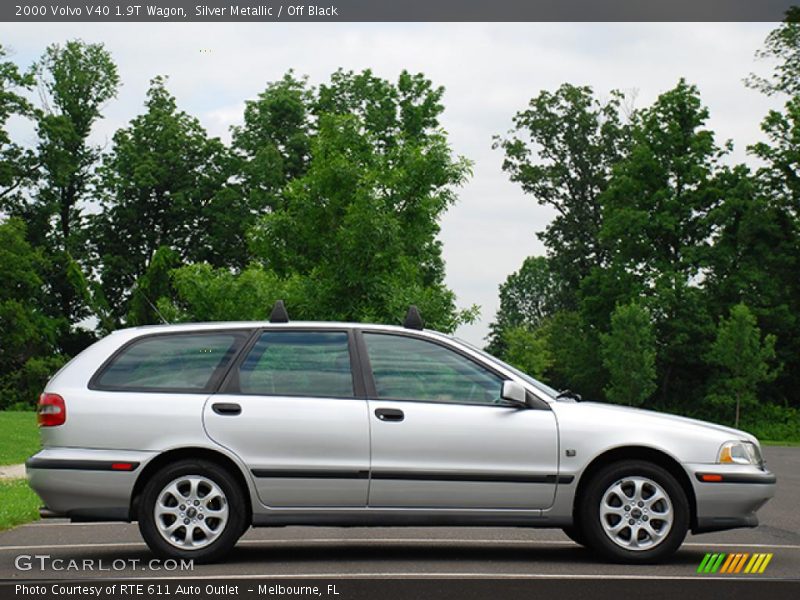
191	512
636	513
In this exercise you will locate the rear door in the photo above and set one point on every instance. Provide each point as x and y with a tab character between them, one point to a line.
149	395
294	413
442	437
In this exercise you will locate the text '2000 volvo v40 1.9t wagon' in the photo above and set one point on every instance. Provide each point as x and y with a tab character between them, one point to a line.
199	431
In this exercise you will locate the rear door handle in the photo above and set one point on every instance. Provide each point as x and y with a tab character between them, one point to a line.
226	408
389	414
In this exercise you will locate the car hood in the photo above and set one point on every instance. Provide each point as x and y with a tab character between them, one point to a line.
601	410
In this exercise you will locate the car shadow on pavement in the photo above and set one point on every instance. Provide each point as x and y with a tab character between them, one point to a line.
267	559
429	553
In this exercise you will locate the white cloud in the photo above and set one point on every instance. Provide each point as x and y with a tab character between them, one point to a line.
490	71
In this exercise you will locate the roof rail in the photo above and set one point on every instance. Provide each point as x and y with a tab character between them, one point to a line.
413	319
279	314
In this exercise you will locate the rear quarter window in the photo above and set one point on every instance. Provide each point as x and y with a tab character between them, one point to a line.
190	362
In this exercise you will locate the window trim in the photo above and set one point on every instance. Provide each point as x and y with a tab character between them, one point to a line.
241	339
369	376
230	383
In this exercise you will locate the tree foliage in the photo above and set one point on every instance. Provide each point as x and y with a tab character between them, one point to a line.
75	81
162	185
527	298
744	359
273	146
684	237
360	226
783	46
528	350
18	165
28	350
629	354
561	151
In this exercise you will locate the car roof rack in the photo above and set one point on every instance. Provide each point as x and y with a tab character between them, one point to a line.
279	314
413	319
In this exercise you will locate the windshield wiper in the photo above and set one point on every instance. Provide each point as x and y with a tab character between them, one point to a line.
569	394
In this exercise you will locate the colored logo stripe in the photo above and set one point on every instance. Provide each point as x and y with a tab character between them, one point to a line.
727	564
703	563
741	562
711	562
721	562
765	563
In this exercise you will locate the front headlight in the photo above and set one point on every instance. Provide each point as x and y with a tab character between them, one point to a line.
738	452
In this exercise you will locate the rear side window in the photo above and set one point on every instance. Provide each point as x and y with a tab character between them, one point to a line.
176	362
298	363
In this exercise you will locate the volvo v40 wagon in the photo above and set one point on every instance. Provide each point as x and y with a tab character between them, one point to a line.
200	431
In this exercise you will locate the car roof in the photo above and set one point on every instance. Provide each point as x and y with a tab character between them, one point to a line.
218	325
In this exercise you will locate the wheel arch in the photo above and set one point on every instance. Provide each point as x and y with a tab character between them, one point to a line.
646	453
196	453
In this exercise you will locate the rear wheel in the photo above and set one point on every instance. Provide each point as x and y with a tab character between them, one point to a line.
192	509
634	512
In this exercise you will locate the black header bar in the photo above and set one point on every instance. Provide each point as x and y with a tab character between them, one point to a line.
393	10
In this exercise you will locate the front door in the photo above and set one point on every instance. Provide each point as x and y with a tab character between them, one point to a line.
442	437
290	411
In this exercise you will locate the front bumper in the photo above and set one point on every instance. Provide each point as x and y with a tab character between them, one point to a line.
732	499
86	485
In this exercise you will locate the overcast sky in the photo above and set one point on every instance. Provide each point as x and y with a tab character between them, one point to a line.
489	71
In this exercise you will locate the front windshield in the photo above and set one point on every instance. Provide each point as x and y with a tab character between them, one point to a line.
544	388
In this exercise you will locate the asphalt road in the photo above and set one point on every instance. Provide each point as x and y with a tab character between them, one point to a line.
303	552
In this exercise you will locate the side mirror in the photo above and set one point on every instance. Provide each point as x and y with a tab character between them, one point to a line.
514	393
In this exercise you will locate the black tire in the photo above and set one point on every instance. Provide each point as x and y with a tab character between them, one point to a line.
237	518
592	528
575	534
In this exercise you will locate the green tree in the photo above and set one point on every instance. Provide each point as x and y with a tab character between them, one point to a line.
780	154
744	359
763	262
754	259
576	363
162	185
154	283
527	298
28	350
200	292
360	226
75	82
18	165
629	354
657	227
273	146
782	45
528	350
561	151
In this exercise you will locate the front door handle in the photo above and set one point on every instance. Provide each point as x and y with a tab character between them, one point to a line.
226	408
389	414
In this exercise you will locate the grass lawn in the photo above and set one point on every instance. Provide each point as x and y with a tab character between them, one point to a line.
19	436
18	503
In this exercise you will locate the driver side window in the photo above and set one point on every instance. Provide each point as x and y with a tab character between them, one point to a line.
407	368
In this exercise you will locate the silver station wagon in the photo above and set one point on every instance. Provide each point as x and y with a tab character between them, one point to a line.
200	431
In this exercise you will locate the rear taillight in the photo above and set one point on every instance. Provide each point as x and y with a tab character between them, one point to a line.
52	410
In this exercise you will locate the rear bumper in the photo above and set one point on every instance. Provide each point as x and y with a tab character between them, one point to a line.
85	485
733	499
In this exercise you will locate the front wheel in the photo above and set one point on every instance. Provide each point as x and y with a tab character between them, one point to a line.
192	509
634	512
